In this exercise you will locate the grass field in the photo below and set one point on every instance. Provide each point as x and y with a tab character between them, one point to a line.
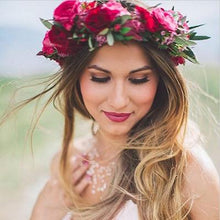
24	172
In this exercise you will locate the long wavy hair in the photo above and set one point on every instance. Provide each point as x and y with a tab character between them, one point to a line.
151	166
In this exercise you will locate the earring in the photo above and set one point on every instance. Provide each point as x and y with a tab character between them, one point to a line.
94	128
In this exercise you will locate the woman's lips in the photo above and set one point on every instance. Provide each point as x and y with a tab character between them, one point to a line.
117	117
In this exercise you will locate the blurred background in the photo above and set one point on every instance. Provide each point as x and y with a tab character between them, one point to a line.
25	169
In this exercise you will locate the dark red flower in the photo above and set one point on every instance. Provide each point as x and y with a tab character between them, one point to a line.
99	18
178	60
150	24
66	12
60	39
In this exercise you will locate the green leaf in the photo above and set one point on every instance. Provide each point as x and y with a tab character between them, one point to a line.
193	60
189	55
118	37
90	43
192	34
75	36
104	31
128	37
199	37
46	23
192	27
124	18
155	6
110	39
125	30
184	42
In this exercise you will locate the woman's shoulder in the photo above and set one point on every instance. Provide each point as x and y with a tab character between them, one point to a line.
201	184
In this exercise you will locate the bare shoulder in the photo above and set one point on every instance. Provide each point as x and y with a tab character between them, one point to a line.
202	185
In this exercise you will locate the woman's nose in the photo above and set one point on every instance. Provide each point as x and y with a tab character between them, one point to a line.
118	97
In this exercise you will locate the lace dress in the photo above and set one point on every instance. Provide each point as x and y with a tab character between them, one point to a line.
128	212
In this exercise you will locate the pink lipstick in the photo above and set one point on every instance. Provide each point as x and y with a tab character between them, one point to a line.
117	117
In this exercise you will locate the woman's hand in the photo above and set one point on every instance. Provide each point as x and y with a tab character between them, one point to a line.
80	179
52	202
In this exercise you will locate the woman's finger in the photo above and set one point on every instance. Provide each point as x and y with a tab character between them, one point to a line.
75	162
83	184
79	172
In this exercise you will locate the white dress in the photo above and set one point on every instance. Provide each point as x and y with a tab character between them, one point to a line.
128	212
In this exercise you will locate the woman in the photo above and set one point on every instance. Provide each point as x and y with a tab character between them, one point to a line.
118	68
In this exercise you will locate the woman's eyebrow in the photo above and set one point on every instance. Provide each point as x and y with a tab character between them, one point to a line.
107	71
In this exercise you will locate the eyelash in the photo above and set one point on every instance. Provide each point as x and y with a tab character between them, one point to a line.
133	81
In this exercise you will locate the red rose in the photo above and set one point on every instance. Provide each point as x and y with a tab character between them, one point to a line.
61	42
99	18
150	24
66	12
178	60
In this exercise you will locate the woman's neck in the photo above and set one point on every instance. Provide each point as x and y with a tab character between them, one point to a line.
108	146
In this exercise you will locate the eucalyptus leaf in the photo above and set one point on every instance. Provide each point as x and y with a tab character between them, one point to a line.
104	31
184	42
46	23
193	60
124	18
75	36
110	39
90	43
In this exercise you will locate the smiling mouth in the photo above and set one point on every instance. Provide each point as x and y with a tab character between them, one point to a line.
117	117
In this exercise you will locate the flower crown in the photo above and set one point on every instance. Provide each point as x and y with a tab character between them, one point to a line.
76	24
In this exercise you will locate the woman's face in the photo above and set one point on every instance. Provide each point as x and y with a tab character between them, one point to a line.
118	87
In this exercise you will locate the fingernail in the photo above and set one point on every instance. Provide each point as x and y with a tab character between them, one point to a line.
85	162
88	177
83	155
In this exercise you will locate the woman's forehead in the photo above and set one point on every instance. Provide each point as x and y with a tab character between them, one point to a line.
130	56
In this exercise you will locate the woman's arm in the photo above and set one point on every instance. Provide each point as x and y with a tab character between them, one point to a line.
202	184
52	202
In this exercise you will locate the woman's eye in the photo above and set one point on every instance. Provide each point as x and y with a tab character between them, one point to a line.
100	79
139	81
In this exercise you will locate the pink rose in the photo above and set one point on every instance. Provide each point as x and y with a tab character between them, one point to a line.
182	22
115	7
150	24
101	40
136	28
165	19
66	12
48	48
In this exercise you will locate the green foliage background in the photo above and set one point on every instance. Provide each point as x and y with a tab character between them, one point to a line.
24	169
